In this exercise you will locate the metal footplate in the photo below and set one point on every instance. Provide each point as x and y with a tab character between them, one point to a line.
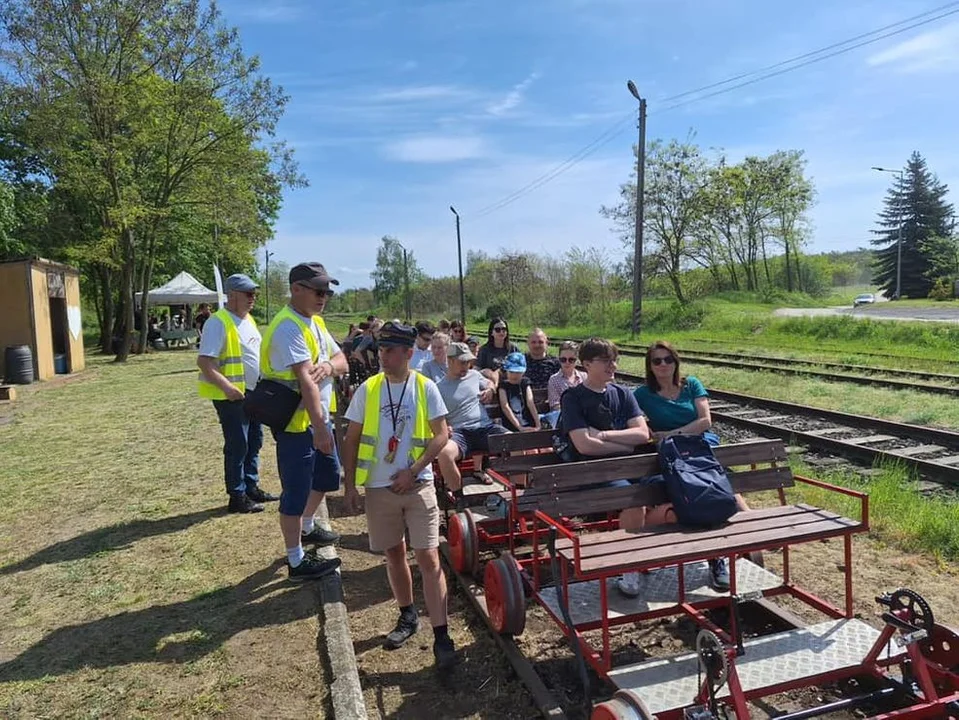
827	647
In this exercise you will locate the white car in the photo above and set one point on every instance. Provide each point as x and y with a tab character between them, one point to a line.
864	299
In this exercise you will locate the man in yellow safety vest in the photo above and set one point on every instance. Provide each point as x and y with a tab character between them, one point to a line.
229	362
397	428
299	352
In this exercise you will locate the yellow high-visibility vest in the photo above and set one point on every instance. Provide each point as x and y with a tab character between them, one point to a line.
230	360
422	434
323	331
301	418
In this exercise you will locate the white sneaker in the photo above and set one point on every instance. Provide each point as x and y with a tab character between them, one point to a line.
628	584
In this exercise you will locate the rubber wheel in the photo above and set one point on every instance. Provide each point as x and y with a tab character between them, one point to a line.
505	601
625	705
461	534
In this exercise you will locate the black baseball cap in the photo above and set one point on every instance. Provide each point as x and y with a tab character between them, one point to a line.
312	274
396	334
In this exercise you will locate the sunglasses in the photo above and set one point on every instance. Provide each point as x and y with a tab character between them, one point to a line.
668	360
565	360
607	360
499	329
426	338
250	293
319	293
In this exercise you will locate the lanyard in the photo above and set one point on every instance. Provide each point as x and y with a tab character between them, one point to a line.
395	410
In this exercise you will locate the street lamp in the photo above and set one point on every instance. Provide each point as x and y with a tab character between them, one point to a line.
640	192
266	282
899	241
406	283
459	257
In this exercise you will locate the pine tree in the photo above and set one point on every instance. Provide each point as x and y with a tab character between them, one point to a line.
917	201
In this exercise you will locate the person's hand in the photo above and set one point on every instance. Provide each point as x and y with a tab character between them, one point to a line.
528	429
658	436
320	372
323	440
402	481
487	396
594	433
351	501
234	393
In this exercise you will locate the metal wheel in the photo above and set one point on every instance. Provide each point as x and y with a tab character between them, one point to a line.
505	599
712	657
918	612
464	550
624	705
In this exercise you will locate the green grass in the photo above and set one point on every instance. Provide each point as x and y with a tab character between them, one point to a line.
899	514
125	589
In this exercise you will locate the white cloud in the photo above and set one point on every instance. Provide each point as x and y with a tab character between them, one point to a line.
436	148
276	11
934	50
513	98
421	93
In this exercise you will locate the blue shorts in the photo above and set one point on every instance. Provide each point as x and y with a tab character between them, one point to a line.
470	440
302	469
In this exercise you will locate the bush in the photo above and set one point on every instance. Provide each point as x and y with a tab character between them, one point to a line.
942	290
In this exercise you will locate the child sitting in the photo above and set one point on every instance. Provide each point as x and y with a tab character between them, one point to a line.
516	396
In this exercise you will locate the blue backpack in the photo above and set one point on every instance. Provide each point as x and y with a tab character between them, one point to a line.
697	485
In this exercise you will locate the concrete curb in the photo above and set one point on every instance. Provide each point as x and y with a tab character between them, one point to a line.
345	689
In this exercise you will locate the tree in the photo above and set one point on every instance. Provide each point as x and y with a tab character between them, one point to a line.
676	176
917	204
792	197
147	113
389	275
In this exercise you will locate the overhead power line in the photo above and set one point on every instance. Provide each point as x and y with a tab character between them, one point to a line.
725	86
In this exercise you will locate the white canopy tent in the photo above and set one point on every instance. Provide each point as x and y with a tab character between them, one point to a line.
184	289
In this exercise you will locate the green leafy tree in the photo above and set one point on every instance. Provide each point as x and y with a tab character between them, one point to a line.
918	204
390	274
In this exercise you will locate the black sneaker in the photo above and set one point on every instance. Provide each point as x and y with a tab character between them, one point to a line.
719	574
445	653
320	536
406	628
241	503
261	496
312	568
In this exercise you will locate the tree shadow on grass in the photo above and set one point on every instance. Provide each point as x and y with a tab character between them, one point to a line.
175	633
114	537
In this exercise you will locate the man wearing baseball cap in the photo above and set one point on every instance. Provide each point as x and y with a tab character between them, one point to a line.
298	351
229	362
465	392
397	428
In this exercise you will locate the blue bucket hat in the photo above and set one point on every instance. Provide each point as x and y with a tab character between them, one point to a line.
515	362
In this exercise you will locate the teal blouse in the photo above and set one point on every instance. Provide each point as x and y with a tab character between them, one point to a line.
664	414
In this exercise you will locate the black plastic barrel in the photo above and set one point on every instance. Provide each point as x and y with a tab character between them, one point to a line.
18	361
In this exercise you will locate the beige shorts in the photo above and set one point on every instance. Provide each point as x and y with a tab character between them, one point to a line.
389	516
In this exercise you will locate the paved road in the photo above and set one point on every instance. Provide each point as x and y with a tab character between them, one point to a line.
884	311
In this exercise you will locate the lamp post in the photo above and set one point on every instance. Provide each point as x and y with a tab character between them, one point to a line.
266	283
640	192
406	283
899	241
459	257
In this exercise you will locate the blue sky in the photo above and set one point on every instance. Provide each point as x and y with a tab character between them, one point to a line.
400	108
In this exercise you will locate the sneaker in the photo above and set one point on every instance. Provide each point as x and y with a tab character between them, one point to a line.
320	536
261	496
445	653
406	628
312	568
628	584
719	574
241	503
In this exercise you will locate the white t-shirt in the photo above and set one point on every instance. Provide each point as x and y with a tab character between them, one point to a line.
405	412
420	358
214	338
288	347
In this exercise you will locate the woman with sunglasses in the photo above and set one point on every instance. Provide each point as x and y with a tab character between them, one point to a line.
494	351
673	405
559	382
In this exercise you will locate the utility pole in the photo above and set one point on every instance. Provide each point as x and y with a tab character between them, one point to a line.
459	257
902	216
266	284
640	206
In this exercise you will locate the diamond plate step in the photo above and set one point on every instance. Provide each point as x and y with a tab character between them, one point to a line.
658	590
831	646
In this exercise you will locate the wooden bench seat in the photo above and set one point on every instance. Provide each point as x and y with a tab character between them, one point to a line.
670	545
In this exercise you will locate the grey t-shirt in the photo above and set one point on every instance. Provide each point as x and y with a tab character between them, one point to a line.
461	398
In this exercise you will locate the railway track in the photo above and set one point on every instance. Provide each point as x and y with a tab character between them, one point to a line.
932	452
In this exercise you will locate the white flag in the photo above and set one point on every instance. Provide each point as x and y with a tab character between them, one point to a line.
219	287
